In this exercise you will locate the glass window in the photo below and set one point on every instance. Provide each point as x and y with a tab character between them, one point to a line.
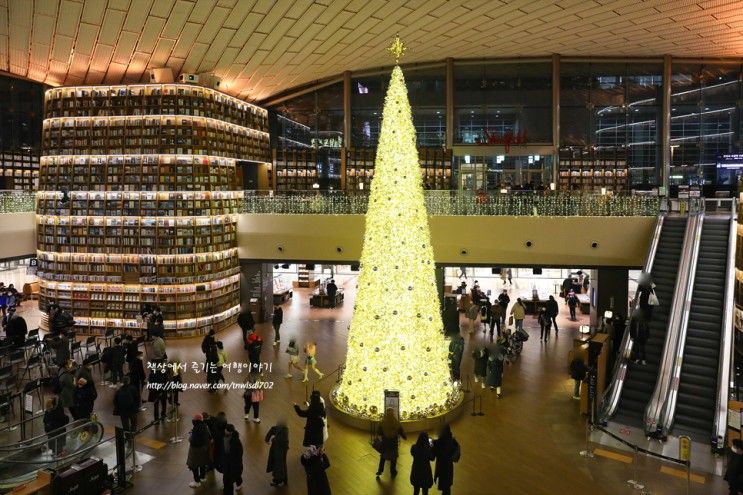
498	99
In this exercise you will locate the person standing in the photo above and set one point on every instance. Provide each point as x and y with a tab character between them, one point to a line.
221	360
278	437
126	405
578	371
198	450
310	351
504	301
315	414
67	387
472	312
421	476
55	421
232	466
494	379
208	342
246	322
85	396
276	320
446	451
485	313
480	355
572	302
212	373
16	328
496	316
158	349
734	471
293	352
456	350
315	463
157	393
518	311
255	346
118	358
137	377
552	311
332	290
252	397
176	382
389	430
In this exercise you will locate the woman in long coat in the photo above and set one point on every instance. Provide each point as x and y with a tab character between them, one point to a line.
278	436
315	414
480	355
315	463
421	476
198	450
494	379
389	430
446	451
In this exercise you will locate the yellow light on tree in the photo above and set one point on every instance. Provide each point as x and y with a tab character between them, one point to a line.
395	340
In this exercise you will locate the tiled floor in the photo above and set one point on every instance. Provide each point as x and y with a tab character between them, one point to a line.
528	442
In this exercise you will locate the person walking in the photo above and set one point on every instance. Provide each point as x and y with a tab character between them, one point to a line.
421	476
278	437
55	421
208	342
572	302
293	351
578	371
388	431
494	378
315	462
221	360
310	351
504	301
246	322
446	452
198	450
496	315
472	312
126	405
276	320
212	373
252	398
255	346
480	355
545	322
552	311
232	465
315	414
518	312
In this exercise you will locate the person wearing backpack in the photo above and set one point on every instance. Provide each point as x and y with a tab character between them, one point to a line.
446	451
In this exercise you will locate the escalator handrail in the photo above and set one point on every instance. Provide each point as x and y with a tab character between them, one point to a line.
613	392
84	424
670	378
726	338
39	439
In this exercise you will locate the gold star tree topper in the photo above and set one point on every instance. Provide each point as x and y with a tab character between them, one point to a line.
397	48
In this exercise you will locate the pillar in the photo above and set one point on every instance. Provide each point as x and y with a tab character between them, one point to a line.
449	103
256	289
665	130
612	289
555	116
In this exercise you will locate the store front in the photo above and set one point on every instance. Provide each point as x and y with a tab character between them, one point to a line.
492	168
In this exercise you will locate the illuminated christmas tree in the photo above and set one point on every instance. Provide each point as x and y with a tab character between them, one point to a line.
395	340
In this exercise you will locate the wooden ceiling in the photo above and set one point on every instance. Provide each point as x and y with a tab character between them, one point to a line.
262	47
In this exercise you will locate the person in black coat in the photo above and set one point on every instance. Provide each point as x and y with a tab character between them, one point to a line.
54	425
578	371
212	373
639	331
246	323
118	358
450	317
278	437
157	393
421	476
446	451
208	342
504	300
276	321
131	349
734	471
126	405
332	290
232	466
315	414
217	426
552	311
254	346
15	328
137	375
85	396
315	463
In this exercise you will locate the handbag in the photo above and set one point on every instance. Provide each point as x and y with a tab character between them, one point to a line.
376	444
510	320
653	299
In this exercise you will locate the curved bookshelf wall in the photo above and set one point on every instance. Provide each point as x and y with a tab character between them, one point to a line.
136	203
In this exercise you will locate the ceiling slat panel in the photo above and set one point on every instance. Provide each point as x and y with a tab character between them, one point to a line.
20	17
177	19
43	29
93	12
136	17
111	28
125	47
238	14
161	53
162	8
101	58
150	34
62	48
186	40
201	12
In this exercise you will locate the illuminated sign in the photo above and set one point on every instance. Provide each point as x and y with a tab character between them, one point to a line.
506	139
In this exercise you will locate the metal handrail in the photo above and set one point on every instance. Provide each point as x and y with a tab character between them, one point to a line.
670	373
726	339
42	439
613	392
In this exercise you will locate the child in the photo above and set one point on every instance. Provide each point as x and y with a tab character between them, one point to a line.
252	397
310	349
278	437
293	352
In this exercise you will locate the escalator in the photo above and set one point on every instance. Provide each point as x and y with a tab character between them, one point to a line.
639	380
698	384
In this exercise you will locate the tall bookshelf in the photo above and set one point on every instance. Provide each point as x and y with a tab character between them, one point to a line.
295	169
435	167
591	170
137	203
